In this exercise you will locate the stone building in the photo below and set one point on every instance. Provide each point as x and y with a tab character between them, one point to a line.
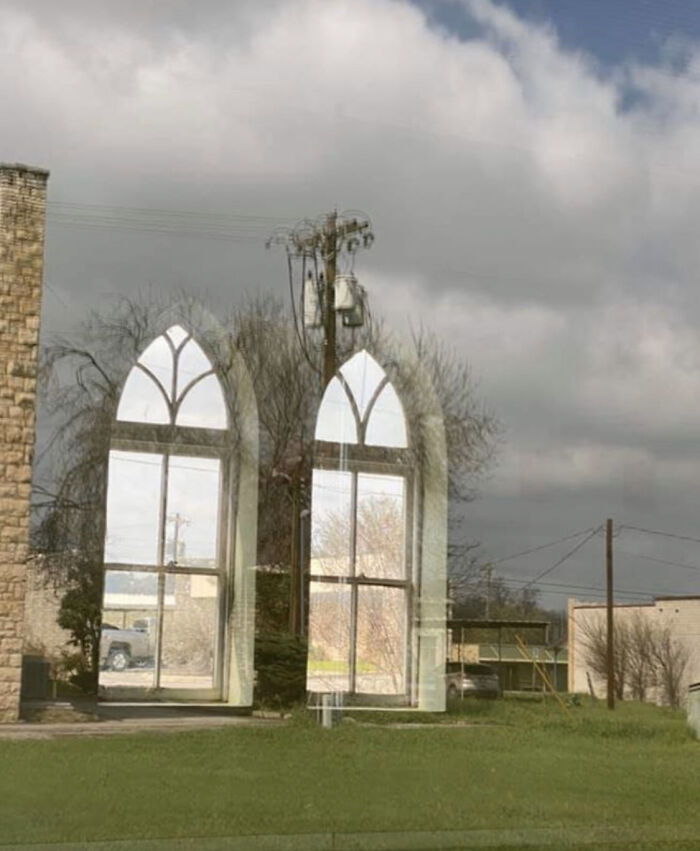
22	216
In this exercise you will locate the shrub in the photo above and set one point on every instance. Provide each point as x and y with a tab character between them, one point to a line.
280	664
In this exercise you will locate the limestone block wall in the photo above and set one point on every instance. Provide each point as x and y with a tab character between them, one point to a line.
22	216
42	601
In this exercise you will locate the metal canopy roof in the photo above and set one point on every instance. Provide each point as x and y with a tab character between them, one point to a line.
496	624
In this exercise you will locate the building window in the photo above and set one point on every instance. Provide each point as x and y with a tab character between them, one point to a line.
361	568
167	514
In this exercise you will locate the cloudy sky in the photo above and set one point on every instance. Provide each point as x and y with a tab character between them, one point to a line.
532	172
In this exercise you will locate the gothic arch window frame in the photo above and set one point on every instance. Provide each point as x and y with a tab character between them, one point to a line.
397	461
168	441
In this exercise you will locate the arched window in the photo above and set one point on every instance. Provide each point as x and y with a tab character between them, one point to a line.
168	510
361	566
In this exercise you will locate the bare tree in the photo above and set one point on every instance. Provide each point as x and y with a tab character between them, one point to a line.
640	639
594	639
648	657
671	658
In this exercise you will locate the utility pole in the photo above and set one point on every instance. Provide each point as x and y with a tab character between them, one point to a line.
610	657
488	570
326	238
330	242
179	521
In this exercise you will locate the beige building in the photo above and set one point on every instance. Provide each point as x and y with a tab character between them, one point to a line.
680	615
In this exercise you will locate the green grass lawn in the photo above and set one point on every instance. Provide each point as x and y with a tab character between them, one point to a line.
524	766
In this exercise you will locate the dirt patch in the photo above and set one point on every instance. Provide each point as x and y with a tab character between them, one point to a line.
57	715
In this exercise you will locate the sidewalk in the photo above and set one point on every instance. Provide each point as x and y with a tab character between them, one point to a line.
89	719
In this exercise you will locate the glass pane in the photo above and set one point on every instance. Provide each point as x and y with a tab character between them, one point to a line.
129	617
203	406
190	627
193	511
141	400
381	641
133	507
191	362
158	357
387	424
336	422
329	637
381	527
177	334
363	375
330	523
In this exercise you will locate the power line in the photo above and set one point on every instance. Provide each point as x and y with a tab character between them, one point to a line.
231	227
542	546
113	209
596	588
564	557
662	534
593	591
658	560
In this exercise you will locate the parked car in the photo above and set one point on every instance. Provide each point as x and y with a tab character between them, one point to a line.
471	680
122	648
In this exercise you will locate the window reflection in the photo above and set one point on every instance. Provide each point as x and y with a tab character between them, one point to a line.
203	406
363	375
329	637
386	425
190	626
158	359
129	628
192	362
192	511
330	528
381	640
163	513
380	527
336	420
141	400
153	396
176	334
358	626
133	507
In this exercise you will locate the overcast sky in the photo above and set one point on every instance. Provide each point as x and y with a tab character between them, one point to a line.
531	170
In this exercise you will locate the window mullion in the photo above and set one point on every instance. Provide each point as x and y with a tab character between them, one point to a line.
353	584
162	525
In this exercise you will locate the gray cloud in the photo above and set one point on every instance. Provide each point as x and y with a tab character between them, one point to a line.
522	207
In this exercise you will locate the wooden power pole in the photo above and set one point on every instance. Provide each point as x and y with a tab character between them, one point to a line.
330	241
325	238
610	655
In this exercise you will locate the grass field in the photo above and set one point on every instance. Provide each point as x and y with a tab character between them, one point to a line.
523	766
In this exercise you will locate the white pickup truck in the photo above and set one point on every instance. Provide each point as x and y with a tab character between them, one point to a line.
122	648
